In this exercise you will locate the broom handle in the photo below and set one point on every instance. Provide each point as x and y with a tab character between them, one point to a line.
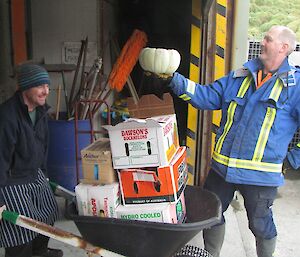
55	233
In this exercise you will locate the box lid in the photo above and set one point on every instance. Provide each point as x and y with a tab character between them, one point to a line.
102	144
157	121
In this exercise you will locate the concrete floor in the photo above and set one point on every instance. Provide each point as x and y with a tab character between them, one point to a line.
239	242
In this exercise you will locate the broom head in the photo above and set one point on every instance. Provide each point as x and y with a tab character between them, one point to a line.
127	60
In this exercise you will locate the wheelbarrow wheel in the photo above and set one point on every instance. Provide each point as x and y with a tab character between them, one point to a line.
190	250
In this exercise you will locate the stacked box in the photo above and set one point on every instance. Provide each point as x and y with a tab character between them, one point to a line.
97	200
147	142
152	169
97	163
150	105
164	184
163	212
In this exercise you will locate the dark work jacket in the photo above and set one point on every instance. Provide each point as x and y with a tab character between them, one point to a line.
23	147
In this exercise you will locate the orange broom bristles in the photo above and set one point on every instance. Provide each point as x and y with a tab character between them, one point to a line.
127	60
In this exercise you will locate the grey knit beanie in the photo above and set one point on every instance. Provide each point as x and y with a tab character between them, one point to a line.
31	75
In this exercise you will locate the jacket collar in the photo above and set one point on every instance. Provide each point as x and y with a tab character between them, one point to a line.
256	64
285	72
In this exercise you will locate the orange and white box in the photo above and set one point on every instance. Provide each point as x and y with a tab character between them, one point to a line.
96	200
164	184
156	212
147	142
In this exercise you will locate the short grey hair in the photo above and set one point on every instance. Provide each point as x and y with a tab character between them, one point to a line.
286	35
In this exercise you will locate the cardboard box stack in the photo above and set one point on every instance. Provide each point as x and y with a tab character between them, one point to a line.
98	194
152	169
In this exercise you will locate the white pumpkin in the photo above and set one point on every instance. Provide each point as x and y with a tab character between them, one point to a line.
159	60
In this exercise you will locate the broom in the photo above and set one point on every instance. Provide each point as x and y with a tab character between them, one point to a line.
124	64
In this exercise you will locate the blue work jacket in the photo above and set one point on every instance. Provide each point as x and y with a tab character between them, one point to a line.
257	125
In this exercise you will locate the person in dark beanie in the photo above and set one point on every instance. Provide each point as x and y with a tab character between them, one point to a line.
24	187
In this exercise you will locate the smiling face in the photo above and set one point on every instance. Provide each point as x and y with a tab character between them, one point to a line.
35	96
273	49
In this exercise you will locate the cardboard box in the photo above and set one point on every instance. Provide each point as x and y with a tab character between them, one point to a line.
97	163
156	212
150	106
96	200
164	184
147	142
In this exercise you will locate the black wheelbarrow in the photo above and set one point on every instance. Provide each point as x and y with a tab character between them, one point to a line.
134	238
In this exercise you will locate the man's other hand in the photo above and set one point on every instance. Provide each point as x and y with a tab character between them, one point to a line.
286	166
2	208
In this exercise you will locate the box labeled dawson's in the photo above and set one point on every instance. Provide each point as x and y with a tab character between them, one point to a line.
147	142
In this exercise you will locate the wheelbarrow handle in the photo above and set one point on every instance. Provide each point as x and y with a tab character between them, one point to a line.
61	191
55	233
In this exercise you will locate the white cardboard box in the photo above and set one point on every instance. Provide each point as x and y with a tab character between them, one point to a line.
147	142
96	200
157	212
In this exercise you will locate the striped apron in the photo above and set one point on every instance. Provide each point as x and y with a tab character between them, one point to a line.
34	200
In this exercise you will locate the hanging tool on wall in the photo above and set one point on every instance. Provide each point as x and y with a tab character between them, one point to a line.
62	68
83	78
58	93
82	48
97	68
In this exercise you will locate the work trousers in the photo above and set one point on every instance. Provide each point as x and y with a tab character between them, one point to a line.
37	245
258	201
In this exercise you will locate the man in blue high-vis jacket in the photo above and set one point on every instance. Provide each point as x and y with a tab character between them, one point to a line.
260	106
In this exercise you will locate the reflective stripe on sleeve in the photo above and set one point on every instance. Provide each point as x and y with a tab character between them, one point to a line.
185	97
191	87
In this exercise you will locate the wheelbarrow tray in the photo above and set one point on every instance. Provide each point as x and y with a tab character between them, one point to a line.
150	239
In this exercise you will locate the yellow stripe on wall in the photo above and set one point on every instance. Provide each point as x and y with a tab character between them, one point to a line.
220	64
193	113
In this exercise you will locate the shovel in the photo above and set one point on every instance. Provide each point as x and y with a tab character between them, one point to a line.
55	233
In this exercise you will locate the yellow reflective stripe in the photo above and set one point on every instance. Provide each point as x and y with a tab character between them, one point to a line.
244	87
276	91
298	145
230	113
264	134
267	123
247	164
227	126
185	97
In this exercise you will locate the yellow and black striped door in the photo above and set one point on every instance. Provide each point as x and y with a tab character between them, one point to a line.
192	119
221	43
208	31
